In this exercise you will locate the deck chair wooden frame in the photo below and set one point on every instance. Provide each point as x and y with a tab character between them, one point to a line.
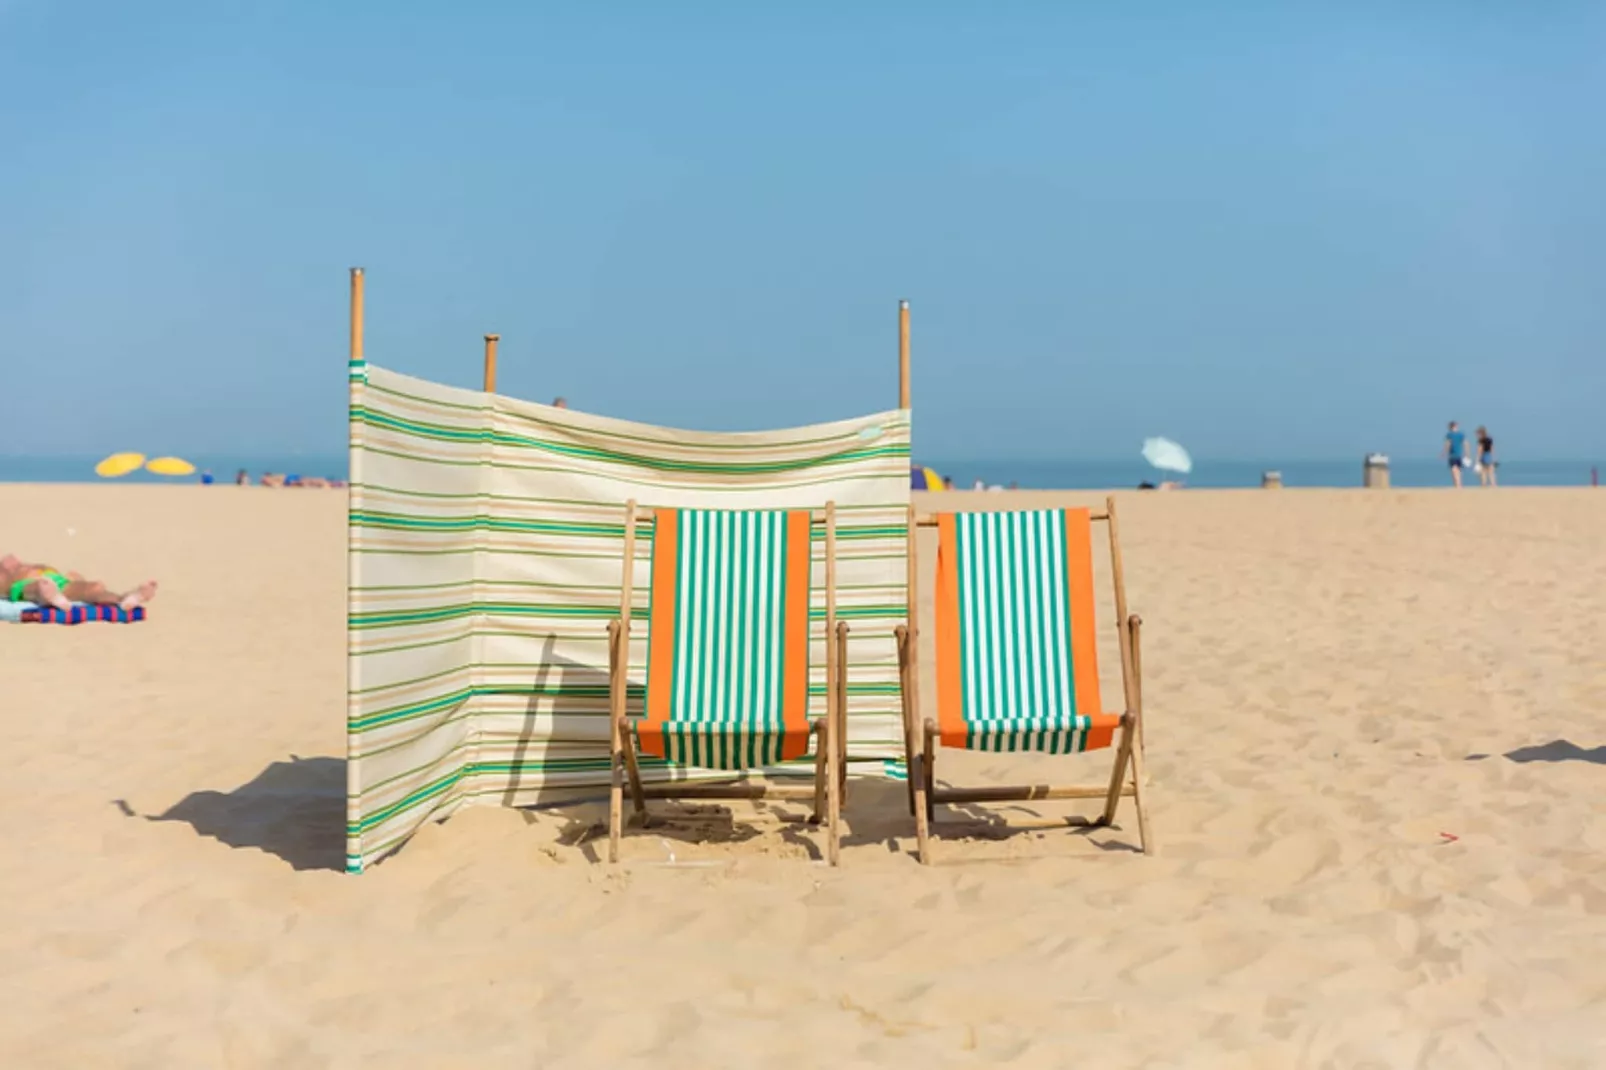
826	734
923	739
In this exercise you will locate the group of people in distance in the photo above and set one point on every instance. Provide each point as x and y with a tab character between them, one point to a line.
1459	457
242	478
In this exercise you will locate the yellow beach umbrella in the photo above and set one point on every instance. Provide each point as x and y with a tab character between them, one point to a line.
170	466
119	464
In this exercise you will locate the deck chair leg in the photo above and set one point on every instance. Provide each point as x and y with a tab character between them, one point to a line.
615	809
1123	757
616	740
820	798
930	771
638	797
1145	839
840	729
833	788
920	791
905	674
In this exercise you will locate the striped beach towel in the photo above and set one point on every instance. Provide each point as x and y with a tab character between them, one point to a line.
728	638
1017	654
79	613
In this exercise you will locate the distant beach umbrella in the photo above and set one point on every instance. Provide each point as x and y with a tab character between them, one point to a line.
923	478
119	464
170	466
1163	453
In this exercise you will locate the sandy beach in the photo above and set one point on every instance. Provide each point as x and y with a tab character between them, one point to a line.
1377	751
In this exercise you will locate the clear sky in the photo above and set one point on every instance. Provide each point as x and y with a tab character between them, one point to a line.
1263	231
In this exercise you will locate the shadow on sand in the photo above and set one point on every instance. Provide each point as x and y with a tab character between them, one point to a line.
295	810
1558	750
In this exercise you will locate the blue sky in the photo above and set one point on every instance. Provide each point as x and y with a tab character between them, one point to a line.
1266	232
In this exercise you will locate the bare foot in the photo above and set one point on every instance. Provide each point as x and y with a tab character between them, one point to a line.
139	595
46	593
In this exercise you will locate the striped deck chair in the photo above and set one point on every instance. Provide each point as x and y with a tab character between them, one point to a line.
728	661
1017	658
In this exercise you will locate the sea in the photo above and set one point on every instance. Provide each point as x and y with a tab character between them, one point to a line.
1126	473
1111	474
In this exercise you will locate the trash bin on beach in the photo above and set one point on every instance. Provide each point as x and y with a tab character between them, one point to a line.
1271	480
1375	471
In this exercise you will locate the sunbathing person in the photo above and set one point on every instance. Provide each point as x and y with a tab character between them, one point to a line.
47	586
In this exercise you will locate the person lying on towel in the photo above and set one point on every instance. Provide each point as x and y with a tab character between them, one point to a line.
47	586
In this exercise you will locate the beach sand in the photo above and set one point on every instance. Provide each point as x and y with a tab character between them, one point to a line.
1337	683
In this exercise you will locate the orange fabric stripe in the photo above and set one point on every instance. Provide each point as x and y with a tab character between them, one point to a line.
950	681
795	639
661	625
1084	636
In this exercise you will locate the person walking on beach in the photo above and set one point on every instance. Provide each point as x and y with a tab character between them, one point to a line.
1486	461
1455	450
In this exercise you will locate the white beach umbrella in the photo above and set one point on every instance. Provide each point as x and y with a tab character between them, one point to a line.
1163	453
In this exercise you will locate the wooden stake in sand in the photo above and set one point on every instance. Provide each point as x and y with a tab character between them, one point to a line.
490	362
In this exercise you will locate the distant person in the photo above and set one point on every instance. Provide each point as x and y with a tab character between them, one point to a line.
560	403
242	478
46	586
272	479
1486	461
1455	451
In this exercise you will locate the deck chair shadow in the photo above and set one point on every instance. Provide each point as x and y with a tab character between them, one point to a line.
728	647
1017	659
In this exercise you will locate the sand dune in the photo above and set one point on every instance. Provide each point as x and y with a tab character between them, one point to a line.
1377	744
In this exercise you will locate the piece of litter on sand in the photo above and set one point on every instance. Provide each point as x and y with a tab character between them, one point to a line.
1449	837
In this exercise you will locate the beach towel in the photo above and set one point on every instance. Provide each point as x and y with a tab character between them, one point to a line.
80	613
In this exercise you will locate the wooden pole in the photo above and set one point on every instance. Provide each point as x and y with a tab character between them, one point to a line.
912	553
356	314
903	354
354	475
490	362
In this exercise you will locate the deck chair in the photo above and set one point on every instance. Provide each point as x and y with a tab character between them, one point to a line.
728	661
1017	659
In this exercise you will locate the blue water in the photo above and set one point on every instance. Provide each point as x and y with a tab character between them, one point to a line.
1119	474
82	469
1040	475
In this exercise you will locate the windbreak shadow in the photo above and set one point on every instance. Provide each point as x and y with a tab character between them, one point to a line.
294	810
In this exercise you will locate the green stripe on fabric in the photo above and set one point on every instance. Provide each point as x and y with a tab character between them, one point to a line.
446	433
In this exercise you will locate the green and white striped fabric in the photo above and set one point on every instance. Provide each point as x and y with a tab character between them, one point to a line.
728	650
486	539
1019	592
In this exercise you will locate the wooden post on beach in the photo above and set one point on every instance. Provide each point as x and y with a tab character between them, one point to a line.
903	354
490	362
912	570
356	314
354	477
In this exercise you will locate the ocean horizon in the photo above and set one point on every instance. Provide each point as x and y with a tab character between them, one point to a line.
1106	474
1121	474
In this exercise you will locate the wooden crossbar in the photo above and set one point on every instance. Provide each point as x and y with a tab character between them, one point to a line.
929	520
1024	793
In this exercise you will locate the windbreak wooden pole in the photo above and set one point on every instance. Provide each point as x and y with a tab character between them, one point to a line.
354	475
490	362
903	354
912	569
356	314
